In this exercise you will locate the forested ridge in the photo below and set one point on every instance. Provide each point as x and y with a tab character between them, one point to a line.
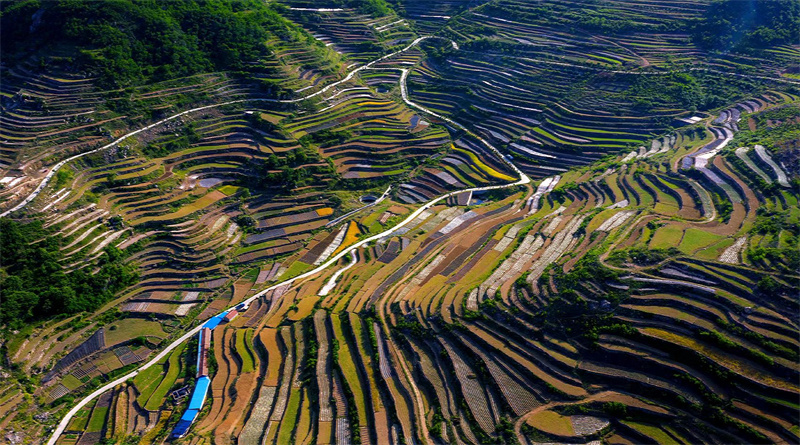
34	285
747	25
128	42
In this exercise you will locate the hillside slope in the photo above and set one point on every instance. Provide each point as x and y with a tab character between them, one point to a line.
462	222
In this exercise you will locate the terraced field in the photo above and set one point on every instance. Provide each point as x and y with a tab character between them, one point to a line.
569	249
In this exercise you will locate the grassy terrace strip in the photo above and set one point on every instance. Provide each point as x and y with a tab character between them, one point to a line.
524	179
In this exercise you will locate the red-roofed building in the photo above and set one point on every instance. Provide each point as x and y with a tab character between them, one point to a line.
202	352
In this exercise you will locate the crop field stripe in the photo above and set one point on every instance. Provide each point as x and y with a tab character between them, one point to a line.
173	370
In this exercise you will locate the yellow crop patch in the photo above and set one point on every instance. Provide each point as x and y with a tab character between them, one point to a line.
229	190
186	210
325	211
483	167
375	103
350	237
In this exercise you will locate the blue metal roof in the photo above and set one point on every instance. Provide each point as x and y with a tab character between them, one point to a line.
186	421
214	321
199	394
190	415
195	405
200	388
